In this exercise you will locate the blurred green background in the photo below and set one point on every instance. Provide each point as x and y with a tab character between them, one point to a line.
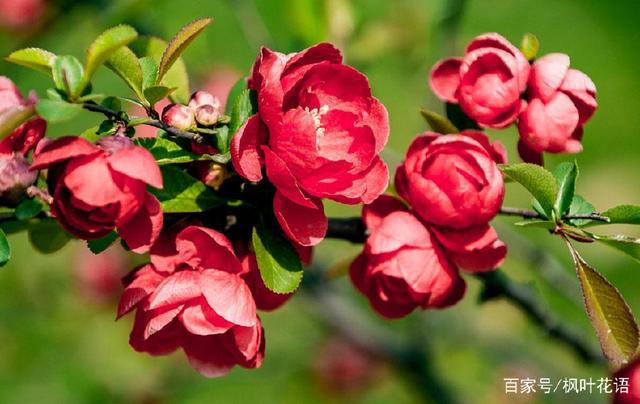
60	344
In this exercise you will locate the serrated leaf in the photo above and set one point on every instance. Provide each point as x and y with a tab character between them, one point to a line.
67	75
5	249
179	43
623	214
166	151
182	193
439	123
241	111
538	181
28	208
566	175
610	315
105	45
580	206
57	111
176	77
149	71
529	46
625	244
47	236
34	58
125	64
156	93
223	139
99	245
279	264
12	118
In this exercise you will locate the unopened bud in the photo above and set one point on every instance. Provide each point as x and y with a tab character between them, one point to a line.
112	144
179	116
212	174
200	98
15	177
207	115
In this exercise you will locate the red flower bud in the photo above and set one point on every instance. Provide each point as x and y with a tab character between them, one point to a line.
207	115
625	384
202	98
179	116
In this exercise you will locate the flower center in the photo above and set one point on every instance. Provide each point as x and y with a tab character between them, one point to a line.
316	115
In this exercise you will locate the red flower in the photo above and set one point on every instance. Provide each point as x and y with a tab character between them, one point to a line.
631	376
26	137
561	100
266	299
97	188
487	81
192	297
319	133
402	266
453	180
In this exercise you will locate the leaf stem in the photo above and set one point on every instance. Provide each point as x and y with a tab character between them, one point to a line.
531	214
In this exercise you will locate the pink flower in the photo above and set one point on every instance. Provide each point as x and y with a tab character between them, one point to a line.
631	375
453	180
26	137
98	276
192	297
487	81
21	14
97	188
402	266
319	132
561	100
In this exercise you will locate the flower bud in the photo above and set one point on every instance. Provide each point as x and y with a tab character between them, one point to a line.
207	115
15	177
179	116
200	98
212	174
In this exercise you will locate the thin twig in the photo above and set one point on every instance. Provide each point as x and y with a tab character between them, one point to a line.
196	137
532	214
497	285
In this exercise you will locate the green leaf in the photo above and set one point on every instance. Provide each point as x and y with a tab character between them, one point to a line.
279	264
183	193
565	174
28	208
179	43
104	46
222	139
459	118
99	245
47	236
234	93
176	77
166	151
125	64
157	93
609	313
439	123
12	118
57	111
67	75
33	58
538	181
241	111
5	249
623	214
628	245
530	46
580	206
149	71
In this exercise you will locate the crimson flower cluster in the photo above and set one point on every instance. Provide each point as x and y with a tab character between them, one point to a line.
412	255
496	86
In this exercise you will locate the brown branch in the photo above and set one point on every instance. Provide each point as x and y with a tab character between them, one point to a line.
532	214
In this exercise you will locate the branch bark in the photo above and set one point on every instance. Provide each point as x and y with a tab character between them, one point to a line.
532	214
496	285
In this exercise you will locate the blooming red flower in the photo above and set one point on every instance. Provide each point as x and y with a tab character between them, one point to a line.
631	374
102	186
318	131
453	180
266	299
561	100
192	297
487	81
402	266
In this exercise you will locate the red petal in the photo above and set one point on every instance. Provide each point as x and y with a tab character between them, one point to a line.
90	180
176	289
136	162
246	155
374	213
229	296
145	282
206	249
547	73
305	226
199	319
62	149
158	319
396	230
143	229
208	355
284	181
444	79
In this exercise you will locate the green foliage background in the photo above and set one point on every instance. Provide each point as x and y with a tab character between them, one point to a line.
57	347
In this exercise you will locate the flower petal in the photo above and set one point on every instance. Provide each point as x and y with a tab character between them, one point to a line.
444	79
304	225
246	154
143	229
